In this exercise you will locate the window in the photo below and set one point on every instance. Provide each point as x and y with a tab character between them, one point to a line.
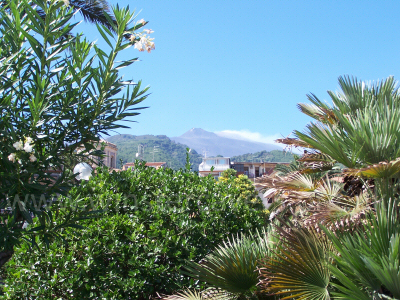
222	161
210	162
239	167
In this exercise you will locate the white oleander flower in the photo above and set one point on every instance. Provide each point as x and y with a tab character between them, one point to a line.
11	157
142	21
29	140
18	145
145	43
28	148
139	46
148	31
32	158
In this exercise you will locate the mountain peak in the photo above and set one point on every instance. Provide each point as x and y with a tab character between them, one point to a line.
198	133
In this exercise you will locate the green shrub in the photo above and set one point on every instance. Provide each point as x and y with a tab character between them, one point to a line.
153	221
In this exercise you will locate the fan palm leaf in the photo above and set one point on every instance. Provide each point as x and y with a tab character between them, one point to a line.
231	266
299	268
341	212
382	170
208	294
93	11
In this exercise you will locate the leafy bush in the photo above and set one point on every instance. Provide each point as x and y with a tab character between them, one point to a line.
153	221
58	94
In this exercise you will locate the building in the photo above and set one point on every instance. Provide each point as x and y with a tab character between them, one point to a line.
254	169
110	154
214	166
155	165
110	151
220	164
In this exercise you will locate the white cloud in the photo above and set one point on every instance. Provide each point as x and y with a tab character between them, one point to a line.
247	135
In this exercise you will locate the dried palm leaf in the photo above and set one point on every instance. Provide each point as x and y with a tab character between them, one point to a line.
341	212
294	142
382	170
321	114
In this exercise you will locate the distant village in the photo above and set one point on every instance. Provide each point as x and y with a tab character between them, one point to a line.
213	166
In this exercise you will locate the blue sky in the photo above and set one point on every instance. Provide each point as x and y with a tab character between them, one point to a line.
242	66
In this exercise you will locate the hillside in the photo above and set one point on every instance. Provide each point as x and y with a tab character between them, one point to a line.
264	156
166	150
202	140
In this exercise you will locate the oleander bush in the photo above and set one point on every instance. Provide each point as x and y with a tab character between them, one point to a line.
152	221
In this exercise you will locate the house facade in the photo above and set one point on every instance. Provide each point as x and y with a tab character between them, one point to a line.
214	166
110	151
110	154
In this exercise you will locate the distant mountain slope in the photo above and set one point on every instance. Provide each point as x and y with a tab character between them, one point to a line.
201	140
168	151
264	156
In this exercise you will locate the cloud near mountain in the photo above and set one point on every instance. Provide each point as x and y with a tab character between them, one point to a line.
204	141
247	135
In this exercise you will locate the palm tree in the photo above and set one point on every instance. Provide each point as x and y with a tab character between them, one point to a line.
361	128
362	132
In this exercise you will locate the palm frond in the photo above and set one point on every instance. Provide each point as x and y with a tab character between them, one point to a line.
299	269
208	294
382	170
231	266
371	256
293	142
341	212
94	11
316	163
322	114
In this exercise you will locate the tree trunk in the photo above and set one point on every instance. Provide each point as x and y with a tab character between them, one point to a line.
5	256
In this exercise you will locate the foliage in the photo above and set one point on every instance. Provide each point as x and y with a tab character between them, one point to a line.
264	156
154	220
166	150
58	93
243	187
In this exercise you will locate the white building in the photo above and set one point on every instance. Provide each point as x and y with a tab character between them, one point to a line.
214	166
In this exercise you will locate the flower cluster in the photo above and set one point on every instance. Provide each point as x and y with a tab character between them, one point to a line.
26	147
142	40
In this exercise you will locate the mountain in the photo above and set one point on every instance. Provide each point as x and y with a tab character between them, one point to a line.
201	140
168	151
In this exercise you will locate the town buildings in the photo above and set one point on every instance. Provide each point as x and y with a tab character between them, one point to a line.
216	165
155	165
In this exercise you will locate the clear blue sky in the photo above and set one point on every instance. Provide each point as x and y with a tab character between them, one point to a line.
243	65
